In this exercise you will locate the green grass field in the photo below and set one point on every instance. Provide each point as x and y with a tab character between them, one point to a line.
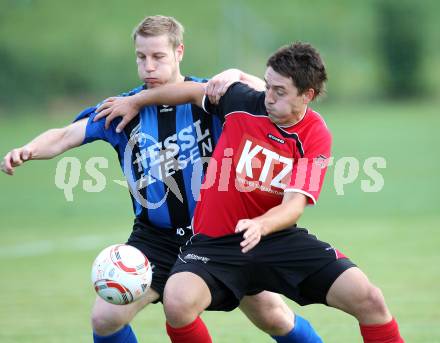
47	244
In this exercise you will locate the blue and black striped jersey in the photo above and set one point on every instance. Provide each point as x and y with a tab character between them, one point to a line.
161	153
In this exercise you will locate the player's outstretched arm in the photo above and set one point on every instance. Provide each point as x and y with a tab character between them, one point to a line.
129	107
277	218
181	93
253	81
49	144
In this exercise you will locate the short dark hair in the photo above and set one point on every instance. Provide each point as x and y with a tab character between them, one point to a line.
303	64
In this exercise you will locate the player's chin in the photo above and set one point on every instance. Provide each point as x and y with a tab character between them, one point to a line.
154	84
275	118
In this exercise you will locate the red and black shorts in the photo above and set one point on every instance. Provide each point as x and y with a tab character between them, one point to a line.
291	262
161	246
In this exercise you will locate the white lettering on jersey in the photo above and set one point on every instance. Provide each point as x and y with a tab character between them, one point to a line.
158	159
276	181
246	158
271	157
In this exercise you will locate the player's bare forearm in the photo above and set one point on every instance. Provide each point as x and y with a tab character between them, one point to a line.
253	81
49	144
46	145
54	142
284	215
129	107
277	218
172	94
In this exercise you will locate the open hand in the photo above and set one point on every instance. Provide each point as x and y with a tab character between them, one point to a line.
125	107
219	84
252	235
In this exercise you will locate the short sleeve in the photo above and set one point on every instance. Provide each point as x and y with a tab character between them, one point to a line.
309	170
238	97
96	130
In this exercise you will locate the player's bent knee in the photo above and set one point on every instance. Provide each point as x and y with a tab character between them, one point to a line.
277	323
372	301
105	324
183	304
180	309
368	305
269	313
368	299
353	293
108	318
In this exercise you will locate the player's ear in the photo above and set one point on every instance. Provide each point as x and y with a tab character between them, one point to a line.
179	52
308	95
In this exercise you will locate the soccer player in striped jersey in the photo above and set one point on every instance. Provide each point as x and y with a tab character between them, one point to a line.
159	152
269	163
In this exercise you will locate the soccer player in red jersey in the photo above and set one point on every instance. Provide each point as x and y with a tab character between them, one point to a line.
268	165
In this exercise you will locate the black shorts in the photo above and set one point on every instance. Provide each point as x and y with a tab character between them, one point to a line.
291	262
161	246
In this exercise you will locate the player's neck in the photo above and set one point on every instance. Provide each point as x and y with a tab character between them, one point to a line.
180	78
177	79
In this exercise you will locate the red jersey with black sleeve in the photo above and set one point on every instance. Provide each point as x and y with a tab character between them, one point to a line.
256	161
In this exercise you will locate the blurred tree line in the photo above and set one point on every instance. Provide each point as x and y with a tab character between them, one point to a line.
69	49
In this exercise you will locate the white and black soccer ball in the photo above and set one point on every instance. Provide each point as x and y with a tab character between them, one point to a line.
121	274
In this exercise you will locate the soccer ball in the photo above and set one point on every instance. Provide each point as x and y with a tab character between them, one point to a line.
121	274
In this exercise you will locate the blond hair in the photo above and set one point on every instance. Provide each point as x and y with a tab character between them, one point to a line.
158	25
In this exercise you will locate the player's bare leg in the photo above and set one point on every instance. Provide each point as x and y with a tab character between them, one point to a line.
268	312
186	295
184	303
108	318
353	293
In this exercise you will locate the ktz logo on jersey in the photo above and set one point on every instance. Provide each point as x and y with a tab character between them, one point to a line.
275	169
